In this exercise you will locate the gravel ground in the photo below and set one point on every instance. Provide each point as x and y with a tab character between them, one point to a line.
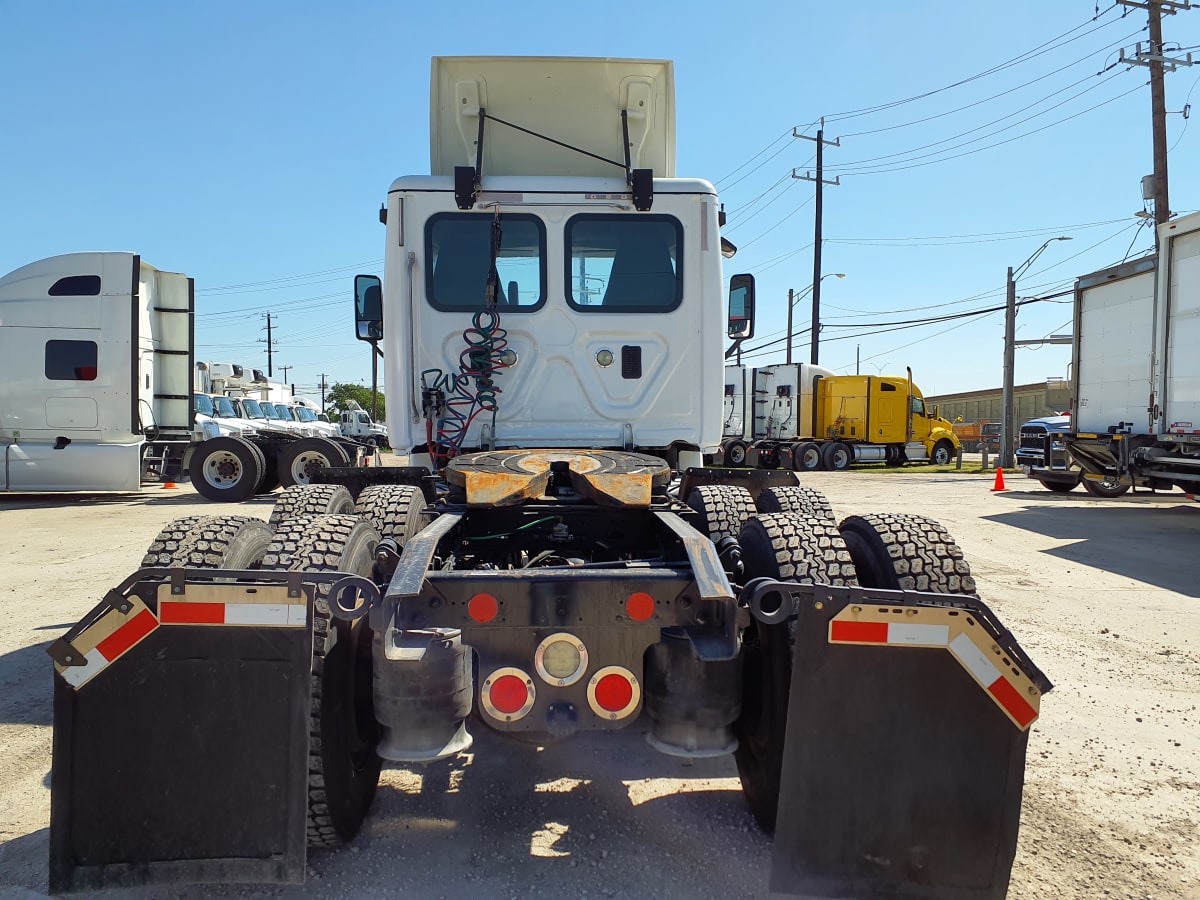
1103	594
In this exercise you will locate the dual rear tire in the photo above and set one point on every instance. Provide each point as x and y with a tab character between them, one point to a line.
792	536
343	767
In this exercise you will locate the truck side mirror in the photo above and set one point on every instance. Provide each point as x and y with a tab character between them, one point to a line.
741	307
368	308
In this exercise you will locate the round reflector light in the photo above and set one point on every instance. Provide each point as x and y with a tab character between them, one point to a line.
507	694
614	693
639	606
483	608
561	659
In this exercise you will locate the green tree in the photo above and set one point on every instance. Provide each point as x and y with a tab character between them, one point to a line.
338	398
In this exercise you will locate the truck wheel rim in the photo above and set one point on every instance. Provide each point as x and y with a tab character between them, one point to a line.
305	465
222	469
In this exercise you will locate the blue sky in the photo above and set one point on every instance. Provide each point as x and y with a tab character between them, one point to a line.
251	144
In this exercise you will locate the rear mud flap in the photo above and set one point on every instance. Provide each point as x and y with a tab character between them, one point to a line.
181	736
905	749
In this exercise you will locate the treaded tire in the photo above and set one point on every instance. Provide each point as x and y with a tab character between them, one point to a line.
787	547
894	456
1104	488
298	461
795	498
343	767
807	457
270	471
895	551
943	453
724	508
311	500
735	454
226	469
210	542
394	510
837	456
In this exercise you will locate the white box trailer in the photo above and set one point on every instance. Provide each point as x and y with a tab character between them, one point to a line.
95	373
1137	375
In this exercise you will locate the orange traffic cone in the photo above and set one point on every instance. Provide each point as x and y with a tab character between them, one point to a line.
999	485
169	486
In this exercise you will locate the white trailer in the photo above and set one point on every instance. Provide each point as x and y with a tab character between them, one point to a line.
1137	375
95	373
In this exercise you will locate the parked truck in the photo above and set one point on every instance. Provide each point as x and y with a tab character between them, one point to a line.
1136	377
95	373
970	434
805	417
559	561
356	422
1042	455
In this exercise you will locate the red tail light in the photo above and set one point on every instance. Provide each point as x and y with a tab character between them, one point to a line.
614	693
507	694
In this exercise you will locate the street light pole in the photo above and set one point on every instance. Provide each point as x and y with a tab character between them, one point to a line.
792	298
1008	414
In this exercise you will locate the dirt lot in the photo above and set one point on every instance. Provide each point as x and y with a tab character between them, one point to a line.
1103	594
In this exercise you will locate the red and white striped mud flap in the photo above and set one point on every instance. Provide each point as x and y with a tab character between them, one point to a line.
904	751
954	630
181	674
231	604
104	636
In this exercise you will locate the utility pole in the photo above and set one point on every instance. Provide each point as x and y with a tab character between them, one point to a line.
1007	416
819	181
285	370
1154	59
270	346
791	295
322	392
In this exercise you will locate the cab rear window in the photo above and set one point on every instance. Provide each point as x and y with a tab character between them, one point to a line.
458	251
625	264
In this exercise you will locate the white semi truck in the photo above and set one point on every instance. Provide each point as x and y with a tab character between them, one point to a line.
557	562
1136	383
95	373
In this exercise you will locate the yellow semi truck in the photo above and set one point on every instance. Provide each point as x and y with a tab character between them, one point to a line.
805	417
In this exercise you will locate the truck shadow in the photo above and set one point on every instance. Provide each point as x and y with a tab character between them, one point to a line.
27	686
1167	522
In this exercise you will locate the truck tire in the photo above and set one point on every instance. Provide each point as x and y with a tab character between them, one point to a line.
795	498
1059	487
311	500
343	767
1110	487
894	551
788	547
735	454
943	453
270	476
394	510
807	457
837	456
210	542
724	509
226	469
894	456
299	460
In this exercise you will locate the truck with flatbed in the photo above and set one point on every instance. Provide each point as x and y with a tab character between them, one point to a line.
555	561
1136	419
806	418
